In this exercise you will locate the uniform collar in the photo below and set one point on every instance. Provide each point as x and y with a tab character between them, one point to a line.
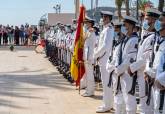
134	34
147	33
107	25
150	32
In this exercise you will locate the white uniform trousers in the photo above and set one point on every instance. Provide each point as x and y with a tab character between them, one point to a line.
107	91
156	93
119	104
90	82
144	108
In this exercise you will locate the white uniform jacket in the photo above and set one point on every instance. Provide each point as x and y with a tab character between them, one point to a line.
111	67
160	68
152	71
105	44
89	47
129	52
144	51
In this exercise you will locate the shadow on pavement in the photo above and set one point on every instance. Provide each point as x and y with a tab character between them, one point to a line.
6	103
13	85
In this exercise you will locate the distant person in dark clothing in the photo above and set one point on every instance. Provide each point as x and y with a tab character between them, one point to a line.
16	35
0	33
35	35
22	35
5	36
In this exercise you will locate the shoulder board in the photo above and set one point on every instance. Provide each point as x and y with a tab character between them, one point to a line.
133	36
110	26
145	36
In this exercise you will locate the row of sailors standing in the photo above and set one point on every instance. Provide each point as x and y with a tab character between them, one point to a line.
63	38
133	59
125	57
125	48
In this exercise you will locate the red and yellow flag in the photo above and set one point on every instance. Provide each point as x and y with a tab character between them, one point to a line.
77	65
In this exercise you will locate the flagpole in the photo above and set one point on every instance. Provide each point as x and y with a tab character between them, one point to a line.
82	1
79	75
80	66
77	68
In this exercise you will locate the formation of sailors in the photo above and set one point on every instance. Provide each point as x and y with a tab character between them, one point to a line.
122	56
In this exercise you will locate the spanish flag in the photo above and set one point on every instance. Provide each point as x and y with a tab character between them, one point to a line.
77	65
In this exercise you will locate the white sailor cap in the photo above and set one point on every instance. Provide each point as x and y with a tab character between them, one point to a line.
68	25
153	12
117	23
106	13
74	20
138	25
62	25
58	23
163	14
89	19
130	19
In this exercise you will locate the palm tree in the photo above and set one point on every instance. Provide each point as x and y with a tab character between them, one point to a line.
119	5
161	4
127	7
143	4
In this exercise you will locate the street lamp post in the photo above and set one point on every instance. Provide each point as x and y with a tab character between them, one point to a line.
91	4
57	8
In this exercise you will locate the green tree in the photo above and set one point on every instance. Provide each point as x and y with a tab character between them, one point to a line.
119	4
145	3
127	7
161	5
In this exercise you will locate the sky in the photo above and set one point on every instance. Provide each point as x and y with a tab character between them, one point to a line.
17	12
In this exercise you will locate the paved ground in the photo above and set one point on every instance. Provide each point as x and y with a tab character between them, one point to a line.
29	84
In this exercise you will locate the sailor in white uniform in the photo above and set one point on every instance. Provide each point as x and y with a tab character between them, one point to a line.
90	39
144	50
155	67
126	54
102	55
119	104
